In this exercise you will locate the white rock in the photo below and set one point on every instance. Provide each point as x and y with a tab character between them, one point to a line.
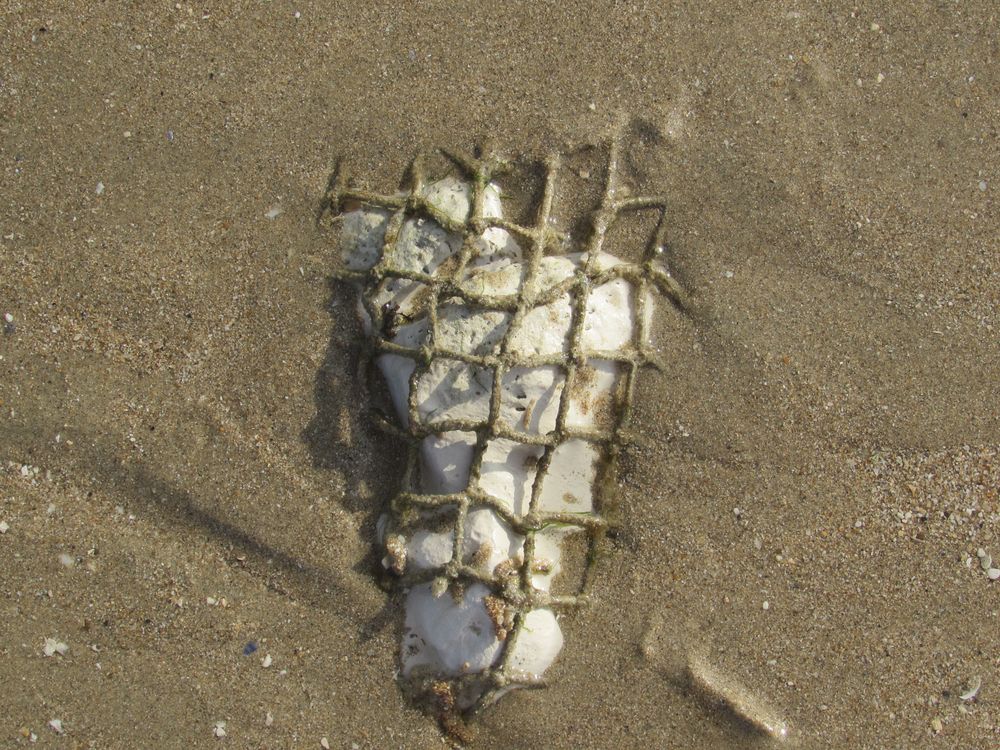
448	638
452	390
508	474
444	637
444	462
538	644
456	390
985	559
53	646
568	486
362	235
548	549
490	536
426	550
452	197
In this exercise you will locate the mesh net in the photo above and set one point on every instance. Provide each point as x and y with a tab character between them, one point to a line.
513	594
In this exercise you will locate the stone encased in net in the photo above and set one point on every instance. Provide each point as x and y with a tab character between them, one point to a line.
442	287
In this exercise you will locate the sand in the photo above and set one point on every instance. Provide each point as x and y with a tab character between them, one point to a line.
187	470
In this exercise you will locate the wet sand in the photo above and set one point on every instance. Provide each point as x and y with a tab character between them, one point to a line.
186	467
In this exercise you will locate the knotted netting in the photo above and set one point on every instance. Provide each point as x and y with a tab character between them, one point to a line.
513	584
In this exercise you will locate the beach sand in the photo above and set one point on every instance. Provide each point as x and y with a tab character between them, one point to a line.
187	469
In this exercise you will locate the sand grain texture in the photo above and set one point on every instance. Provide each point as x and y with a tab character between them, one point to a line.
179	367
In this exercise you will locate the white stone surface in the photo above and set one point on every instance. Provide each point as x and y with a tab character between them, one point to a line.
447	637
445	459
538	645
489	536
426	550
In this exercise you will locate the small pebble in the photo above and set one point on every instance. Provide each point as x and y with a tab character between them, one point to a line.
324	743
993	574
274	212
56	725
972	690
766	605
67	561
985	559
100	188
51	647
4	527
268	719
219	730
936	725
8	318
982	186
266	661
